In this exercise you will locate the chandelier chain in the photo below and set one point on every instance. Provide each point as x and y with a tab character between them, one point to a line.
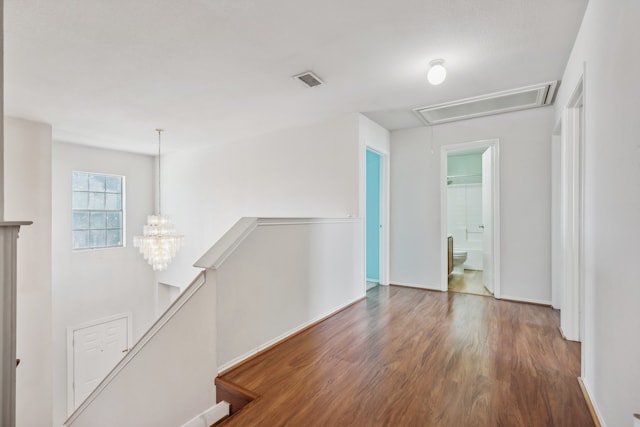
159	242
159	172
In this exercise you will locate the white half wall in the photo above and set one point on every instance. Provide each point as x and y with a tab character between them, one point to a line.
27	182
525	195
607	47
310	171
93	284
283	275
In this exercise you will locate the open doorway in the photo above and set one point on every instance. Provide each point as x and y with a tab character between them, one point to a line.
470	226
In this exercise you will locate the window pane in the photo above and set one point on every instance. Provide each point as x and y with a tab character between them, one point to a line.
113	201
114	220
96	201
114	237
80	181
79	200
80	221
80	239
98	238
97	217
96	182
114	184
98	220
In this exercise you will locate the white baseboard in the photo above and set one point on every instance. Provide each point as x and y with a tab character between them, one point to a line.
529	300
284	336
594	404
209	416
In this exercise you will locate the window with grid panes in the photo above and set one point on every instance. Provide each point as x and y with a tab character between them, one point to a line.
96	209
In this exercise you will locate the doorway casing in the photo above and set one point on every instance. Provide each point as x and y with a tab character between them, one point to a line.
495	220
572	304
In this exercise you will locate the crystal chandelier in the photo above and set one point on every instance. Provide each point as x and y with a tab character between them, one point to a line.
159	242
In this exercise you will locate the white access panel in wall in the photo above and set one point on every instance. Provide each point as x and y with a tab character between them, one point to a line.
93	350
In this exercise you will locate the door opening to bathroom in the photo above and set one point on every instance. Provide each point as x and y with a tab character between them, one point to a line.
469	227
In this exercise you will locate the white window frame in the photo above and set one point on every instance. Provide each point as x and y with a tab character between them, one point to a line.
122	212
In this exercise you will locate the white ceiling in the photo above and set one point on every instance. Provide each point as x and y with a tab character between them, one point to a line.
108	72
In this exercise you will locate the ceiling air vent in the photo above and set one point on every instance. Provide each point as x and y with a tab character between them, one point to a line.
309	79
486	105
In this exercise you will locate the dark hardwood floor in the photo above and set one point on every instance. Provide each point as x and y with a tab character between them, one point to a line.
409	357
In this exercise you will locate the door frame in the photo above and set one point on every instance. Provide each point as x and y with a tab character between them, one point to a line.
384	214
572	214
445	150
72	329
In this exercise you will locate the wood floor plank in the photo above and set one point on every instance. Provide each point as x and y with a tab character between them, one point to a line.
409	357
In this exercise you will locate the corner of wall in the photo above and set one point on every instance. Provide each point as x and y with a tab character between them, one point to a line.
27	177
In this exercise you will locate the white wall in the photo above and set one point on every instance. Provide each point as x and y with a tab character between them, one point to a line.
525	170
310	171
28	197
93	284
608	44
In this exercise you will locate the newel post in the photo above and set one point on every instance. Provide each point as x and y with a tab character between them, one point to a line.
8	257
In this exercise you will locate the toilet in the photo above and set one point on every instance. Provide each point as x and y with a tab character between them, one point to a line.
459	257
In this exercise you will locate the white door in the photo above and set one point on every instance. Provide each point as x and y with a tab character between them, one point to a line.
487	220
96	349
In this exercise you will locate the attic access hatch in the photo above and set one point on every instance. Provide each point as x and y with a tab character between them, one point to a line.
485	105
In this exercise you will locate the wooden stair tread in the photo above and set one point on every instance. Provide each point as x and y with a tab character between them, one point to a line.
237	396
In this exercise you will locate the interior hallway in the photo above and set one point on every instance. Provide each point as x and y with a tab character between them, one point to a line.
411	357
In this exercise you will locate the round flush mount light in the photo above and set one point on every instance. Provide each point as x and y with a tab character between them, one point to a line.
437	73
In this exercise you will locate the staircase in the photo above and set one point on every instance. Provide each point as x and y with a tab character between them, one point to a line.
264	280
237	397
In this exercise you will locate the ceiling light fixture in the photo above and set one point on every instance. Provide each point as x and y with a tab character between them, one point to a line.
437	73
160	243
